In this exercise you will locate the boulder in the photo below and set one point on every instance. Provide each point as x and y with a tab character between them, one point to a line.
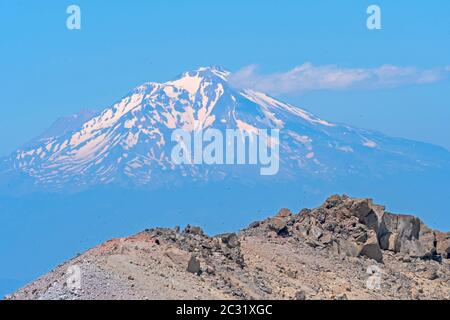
408	227
371	248
279	225
342	296
362	209
387	241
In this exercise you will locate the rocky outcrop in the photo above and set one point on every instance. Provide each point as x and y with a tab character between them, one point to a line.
358	227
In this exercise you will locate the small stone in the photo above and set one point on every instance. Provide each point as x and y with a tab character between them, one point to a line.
210	270
266	289
283	232
432	275
276	224
415	294
300	295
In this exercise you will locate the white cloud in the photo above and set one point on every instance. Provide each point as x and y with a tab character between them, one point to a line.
308	77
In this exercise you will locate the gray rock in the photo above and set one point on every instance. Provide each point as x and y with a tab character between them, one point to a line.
300	295
279	225
342	296
194	265
396	230
254	224
348	248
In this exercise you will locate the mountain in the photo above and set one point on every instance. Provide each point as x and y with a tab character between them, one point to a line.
129	144
345	249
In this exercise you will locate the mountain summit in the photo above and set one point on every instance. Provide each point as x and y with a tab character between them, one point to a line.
129	143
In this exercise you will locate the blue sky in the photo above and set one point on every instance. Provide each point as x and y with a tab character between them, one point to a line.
48	71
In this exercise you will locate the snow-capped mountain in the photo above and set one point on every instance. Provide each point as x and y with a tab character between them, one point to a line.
129	143
97	175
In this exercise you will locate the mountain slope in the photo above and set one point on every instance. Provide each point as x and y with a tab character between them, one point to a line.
129	144
336	251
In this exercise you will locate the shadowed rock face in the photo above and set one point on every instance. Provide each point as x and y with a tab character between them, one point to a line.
325	253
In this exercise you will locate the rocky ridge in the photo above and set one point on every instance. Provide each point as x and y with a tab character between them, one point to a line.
345	249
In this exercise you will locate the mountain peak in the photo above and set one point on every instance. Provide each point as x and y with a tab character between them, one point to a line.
208	72
216	70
